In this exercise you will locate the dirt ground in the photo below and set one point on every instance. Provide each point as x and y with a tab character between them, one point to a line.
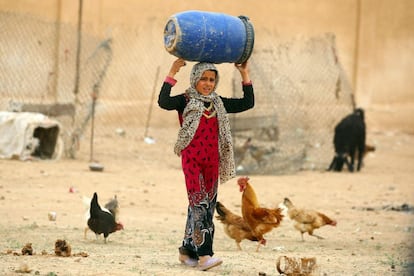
370	239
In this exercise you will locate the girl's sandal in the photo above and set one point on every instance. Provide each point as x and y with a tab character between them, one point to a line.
184	259
210	263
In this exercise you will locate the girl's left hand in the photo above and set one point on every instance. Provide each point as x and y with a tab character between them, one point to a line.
244	72
241	66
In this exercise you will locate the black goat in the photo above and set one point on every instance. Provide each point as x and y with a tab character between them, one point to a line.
349	141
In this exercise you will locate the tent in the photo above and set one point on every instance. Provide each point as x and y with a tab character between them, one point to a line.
28	135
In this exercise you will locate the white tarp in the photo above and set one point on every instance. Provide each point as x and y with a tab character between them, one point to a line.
23	133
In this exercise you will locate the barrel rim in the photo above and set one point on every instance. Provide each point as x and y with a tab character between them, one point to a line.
249	39
177	33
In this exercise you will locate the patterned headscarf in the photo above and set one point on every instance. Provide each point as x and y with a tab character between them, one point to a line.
191	119
199	69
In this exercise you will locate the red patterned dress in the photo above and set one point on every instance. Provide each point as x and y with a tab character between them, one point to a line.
200	163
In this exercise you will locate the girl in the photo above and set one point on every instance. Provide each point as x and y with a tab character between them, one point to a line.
206	149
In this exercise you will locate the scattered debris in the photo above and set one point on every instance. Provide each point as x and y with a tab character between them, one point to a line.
51	216
24	268
62	248
278	248
149	140
405	207
80	254
96	167
296	266
120	132
27	249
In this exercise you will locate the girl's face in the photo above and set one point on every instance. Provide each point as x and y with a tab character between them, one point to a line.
206	83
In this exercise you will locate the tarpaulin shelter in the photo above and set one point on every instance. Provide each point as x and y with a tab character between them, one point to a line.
27	135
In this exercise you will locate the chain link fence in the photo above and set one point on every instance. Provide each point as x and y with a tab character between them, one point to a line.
301	90
301	93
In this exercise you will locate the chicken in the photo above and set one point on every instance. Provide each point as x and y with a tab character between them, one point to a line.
261	220
102	221
234	225
369	148
111	206
307	220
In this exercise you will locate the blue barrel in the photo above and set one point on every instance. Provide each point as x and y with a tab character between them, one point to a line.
209	37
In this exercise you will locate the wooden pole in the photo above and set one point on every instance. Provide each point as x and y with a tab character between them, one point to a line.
356	50
151	102
79	47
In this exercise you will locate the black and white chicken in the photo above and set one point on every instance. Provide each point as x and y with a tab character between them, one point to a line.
102	220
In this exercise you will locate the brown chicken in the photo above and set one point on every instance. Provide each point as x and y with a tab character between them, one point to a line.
369	148
234	225
307	220
261	220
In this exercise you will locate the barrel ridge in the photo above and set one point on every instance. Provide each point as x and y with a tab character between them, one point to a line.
248	49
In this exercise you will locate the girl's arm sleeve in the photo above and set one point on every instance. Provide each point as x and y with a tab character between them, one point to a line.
165	100
235	105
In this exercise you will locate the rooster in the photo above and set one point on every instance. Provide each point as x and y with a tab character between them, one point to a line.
307	220
234	225
102	220
261	220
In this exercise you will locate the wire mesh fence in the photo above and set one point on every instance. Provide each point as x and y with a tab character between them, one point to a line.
301	90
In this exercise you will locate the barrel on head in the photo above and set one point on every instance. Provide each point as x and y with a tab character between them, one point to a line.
209	37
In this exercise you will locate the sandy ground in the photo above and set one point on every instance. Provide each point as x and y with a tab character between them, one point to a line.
368	240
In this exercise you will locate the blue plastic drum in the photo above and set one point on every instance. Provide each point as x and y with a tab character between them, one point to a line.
209	37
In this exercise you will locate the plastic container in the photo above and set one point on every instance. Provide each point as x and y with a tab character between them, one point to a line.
209	37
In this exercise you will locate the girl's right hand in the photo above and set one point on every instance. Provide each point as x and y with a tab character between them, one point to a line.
176	66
